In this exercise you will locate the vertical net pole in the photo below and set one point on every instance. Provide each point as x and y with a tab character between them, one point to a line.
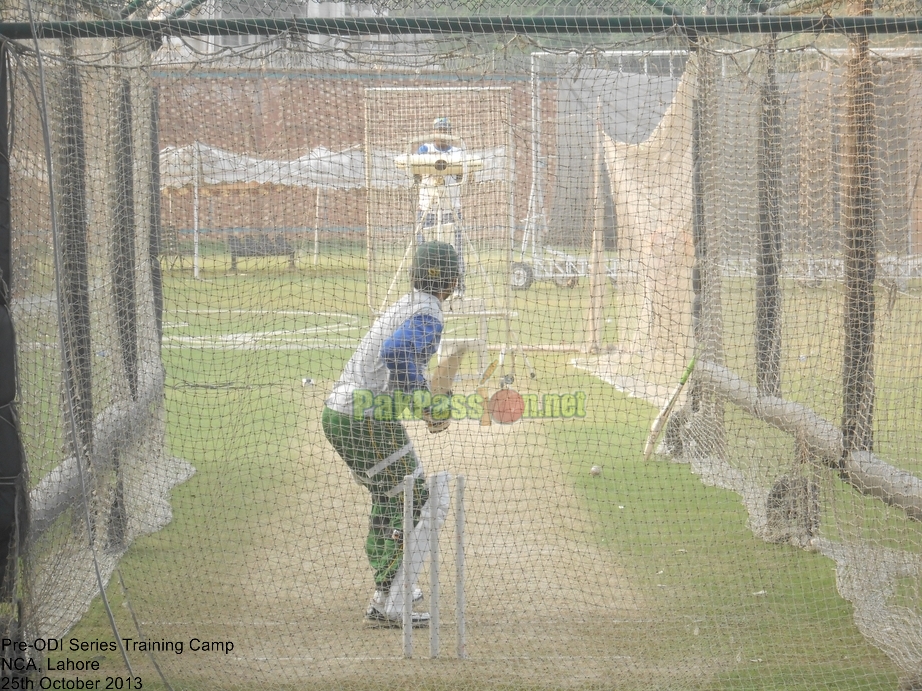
317	225
74	255
155	220
597	276
535	203
196	173
370	264
123	258
768	289
707	428
6	222
509	187
697	221
459	568
860	251
12	490
407	552
124	292
434	595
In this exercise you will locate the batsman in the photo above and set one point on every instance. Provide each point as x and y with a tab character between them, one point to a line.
383	384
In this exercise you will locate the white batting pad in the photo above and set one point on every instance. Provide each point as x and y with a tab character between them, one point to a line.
418	543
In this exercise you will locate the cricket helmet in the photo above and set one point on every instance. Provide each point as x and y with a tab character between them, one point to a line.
436	267
442	125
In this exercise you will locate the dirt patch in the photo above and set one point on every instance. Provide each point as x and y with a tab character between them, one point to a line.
544	603
546	607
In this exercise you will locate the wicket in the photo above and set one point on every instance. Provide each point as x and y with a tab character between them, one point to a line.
434	592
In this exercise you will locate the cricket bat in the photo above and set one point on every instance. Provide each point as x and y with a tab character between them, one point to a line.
485	419
443	375
659	424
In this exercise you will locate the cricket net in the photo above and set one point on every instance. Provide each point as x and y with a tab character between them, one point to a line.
206	219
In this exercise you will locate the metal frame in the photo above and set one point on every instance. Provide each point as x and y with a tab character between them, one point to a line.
364	26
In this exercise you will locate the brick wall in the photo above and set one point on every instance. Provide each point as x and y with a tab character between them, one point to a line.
284	115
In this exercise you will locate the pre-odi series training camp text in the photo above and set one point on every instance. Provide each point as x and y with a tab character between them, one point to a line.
27	665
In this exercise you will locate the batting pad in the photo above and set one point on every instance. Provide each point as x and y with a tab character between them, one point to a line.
418	543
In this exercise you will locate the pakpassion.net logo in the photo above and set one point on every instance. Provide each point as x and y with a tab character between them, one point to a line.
505	406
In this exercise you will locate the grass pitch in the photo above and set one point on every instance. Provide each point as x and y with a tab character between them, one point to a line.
649	580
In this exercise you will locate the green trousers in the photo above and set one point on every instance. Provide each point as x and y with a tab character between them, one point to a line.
380	456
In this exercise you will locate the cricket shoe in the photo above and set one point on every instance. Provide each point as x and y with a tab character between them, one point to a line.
381	595
377	614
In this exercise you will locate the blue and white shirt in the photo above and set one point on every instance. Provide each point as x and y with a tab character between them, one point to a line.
395	352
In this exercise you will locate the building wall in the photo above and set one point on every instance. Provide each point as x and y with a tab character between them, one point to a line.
284	115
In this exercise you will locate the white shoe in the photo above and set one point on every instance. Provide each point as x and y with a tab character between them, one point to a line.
380	597
377	614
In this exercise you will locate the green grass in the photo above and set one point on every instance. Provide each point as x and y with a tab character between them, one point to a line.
764	616
689	546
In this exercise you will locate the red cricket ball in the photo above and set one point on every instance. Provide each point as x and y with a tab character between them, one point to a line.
506	406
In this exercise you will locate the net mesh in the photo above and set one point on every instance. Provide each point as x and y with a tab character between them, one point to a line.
205	228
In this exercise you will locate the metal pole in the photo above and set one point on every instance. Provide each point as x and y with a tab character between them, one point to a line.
155	218
509	187
195	192
860	250
433	568
74	253
459	568
359	26
531	217
317	227
369	229
768	288
407	585
706	426
597	270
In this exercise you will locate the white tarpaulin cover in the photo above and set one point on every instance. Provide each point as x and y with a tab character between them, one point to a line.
320	168
651	184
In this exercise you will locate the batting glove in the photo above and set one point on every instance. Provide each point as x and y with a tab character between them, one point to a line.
435	426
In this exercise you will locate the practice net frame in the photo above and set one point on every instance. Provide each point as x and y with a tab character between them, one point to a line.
204	220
